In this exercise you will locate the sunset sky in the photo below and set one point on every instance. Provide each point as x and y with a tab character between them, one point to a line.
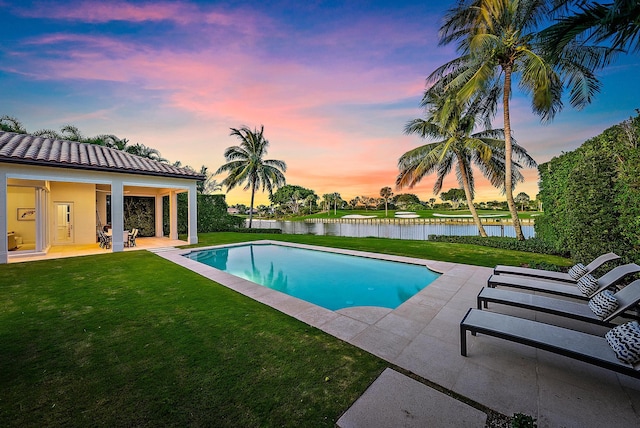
333	83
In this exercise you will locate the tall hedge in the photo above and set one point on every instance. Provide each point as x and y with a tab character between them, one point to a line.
591	196
212	214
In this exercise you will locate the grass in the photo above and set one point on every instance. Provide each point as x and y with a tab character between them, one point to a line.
457	253
129	339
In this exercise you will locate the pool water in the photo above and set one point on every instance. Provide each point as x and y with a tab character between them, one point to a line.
333	281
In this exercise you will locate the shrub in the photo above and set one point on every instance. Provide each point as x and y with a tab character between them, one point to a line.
212	215
532	245
591	196
520	420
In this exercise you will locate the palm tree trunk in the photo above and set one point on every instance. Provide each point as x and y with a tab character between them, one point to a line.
467	192
253	194
508	179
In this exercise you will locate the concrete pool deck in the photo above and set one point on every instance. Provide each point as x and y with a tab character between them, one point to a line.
422	337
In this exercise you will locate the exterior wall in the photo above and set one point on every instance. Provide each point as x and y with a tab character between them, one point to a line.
21	197
83	197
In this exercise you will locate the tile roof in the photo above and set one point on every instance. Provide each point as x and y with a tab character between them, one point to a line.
32	150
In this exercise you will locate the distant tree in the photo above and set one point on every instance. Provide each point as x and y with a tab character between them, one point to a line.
311	200
405	199
522	199
246	164
353	203
326	201
365	201
455	196
11	124
292	196
432	201
386	194
335	197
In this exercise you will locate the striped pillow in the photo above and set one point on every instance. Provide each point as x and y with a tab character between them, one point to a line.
587	285
577	271
603	304
625	342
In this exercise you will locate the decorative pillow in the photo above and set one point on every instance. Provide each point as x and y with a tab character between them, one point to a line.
603	304
577	271
625	341
587	284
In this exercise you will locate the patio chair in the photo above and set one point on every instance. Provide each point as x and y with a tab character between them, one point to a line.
601	309
560	288
572	276
104	239
132	238
570	343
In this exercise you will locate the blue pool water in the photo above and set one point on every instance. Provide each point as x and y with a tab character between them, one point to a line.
333	281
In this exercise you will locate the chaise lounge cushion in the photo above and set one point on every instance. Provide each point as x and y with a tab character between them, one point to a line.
603	304
578	271
588	284
625	342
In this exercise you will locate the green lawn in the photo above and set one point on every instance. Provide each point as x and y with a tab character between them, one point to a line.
458	253
129	339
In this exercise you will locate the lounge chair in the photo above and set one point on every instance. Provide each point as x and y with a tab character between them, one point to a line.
607	280
570	343
556	276
626	299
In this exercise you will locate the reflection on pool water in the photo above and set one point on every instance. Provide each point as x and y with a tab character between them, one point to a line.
333	281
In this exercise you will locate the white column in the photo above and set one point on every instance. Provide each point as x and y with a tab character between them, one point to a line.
193	215
4	251
173	215
159	217
117	215
41	218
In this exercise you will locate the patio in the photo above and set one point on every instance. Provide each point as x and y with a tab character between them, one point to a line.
422	337
61	251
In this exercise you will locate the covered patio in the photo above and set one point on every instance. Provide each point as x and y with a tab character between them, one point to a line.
58	196
62	251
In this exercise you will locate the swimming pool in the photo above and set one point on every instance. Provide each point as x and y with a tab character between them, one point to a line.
333	281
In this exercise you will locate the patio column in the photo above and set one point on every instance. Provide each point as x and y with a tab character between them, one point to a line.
117	215
173	215
4	251
41	220
159	216
193	215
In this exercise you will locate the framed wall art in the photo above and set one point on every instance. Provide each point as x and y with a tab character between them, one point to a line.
26	214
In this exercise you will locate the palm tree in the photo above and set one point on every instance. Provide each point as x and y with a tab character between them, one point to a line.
459	147
11	124
335	197
497	39
386	194
592	22
145	152
246	163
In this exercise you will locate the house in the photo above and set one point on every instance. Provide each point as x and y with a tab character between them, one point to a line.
55	192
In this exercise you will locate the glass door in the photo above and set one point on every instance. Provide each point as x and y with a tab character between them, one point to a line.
63	223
